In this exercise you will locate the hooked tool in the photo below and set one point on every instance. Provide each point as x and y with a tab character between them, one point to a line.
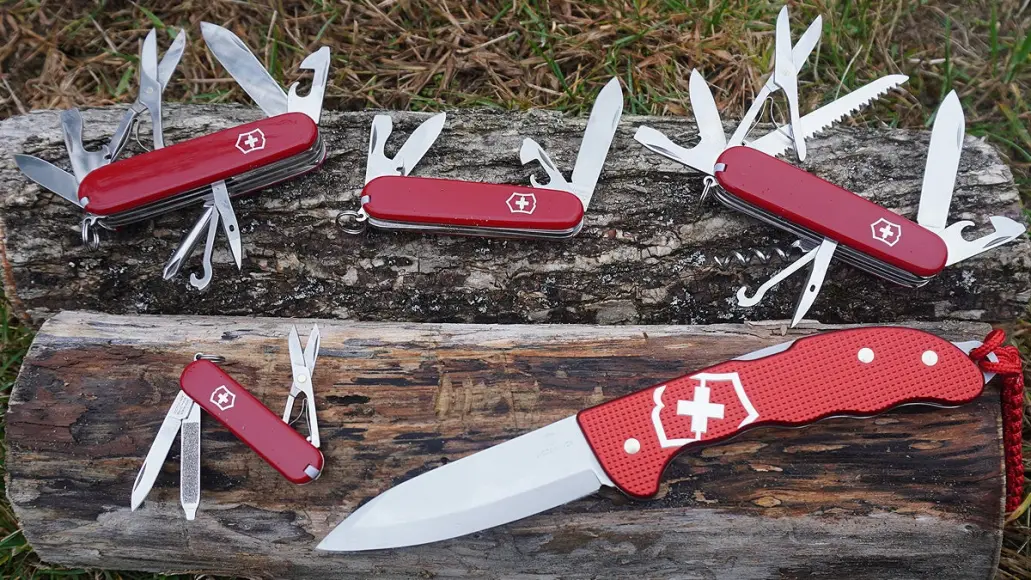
829	220
393	200
627	443
205	386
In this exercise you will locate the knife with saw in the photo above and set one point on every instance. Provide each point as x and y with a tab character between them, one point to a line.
627	443
393	200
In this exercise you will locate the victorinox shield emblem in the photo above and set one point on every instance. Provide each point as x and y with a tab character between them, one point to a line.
886	231
522	203
717	396
223	398
253	140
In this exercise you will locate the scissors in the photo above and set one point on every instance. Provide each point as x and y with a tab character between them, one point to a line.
303	364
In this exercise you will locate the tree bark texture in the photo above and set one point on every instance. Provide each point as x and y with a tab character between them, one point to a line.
914	493
647	254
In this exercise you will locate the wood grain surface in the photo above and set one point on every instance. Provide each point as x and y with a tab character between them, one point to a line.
647	254
915	493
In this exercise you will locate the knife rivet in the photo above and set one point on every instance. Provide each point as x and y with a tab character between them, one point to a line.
866	355
631	446
929	358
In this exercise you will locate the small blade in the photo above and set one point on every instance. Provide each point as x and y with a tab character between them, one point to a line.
49	176
779	140
812	287
418	143
520	477
244	67
228	218
942	164
311	104
189	463
701	157
786	76
179	410
597	139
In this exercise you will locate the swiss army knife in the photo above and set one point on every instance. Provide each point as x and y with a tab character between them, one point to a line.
206	386
829	220
627	443
206	170
394	200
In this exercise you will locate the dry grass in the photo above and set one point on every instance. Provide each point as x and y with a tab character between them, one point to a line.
445	54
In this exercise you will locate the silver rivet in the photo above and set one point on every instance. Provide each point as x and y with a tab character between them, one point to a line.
866	355
631	446
929	358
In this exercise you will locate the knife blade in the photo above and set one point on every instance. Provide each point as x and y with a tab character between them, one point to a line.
49	176
942	164
594	148
799	55
786	76
82	161
779	140
245	68
712	142
627	442
418	143
816	275
177	413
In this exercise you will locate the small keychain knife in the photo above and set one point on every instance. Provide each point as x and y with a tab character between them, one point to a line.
627	443
393	200
206	386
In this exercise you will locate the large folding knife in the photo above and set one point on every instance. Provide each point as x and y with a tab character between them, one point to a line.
627	443
393	200
831	220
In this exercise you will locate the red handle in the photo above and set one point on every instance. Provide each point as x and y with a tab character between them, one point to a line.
831	211
163	173
253	423
850	372
423	200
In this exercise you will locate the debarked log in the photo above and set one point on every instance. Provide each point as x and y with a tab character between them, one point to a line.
914	493
649	253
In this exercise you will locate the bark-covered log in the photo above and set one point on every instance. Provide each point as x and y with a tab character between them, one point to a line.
646	255
914	493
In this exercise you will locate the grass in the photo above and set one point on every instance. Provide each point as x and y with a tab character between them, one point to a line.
506	54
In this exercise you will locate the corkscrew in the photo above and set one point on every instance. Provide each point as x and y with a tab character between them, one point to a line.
755	256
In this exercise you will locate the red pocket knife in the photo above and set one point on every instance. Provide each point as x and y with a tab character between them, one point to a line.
627	443
829	220
392	200
206	170
206	386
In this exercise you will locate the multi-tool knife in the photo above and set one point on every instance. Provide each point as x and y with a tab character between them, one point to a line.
393	200
203	385
627	443
209	169
828	219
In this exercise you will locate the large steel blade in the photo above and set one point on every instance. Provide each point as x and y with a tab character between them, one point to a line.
942	164
49	176
518	478
245	68
779	140
419	142
179	411
594	148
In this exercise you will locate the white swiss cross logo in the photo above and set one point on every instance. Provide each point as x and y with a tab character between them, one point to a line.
522	203
223	398
253	140
886	232
716	397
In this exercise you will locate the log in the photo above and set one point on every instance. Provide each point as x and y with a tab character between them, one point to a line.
914	493
647	254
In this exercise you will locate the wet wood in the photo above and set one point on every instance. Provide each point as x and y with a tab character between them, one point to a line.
648	252
915	493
